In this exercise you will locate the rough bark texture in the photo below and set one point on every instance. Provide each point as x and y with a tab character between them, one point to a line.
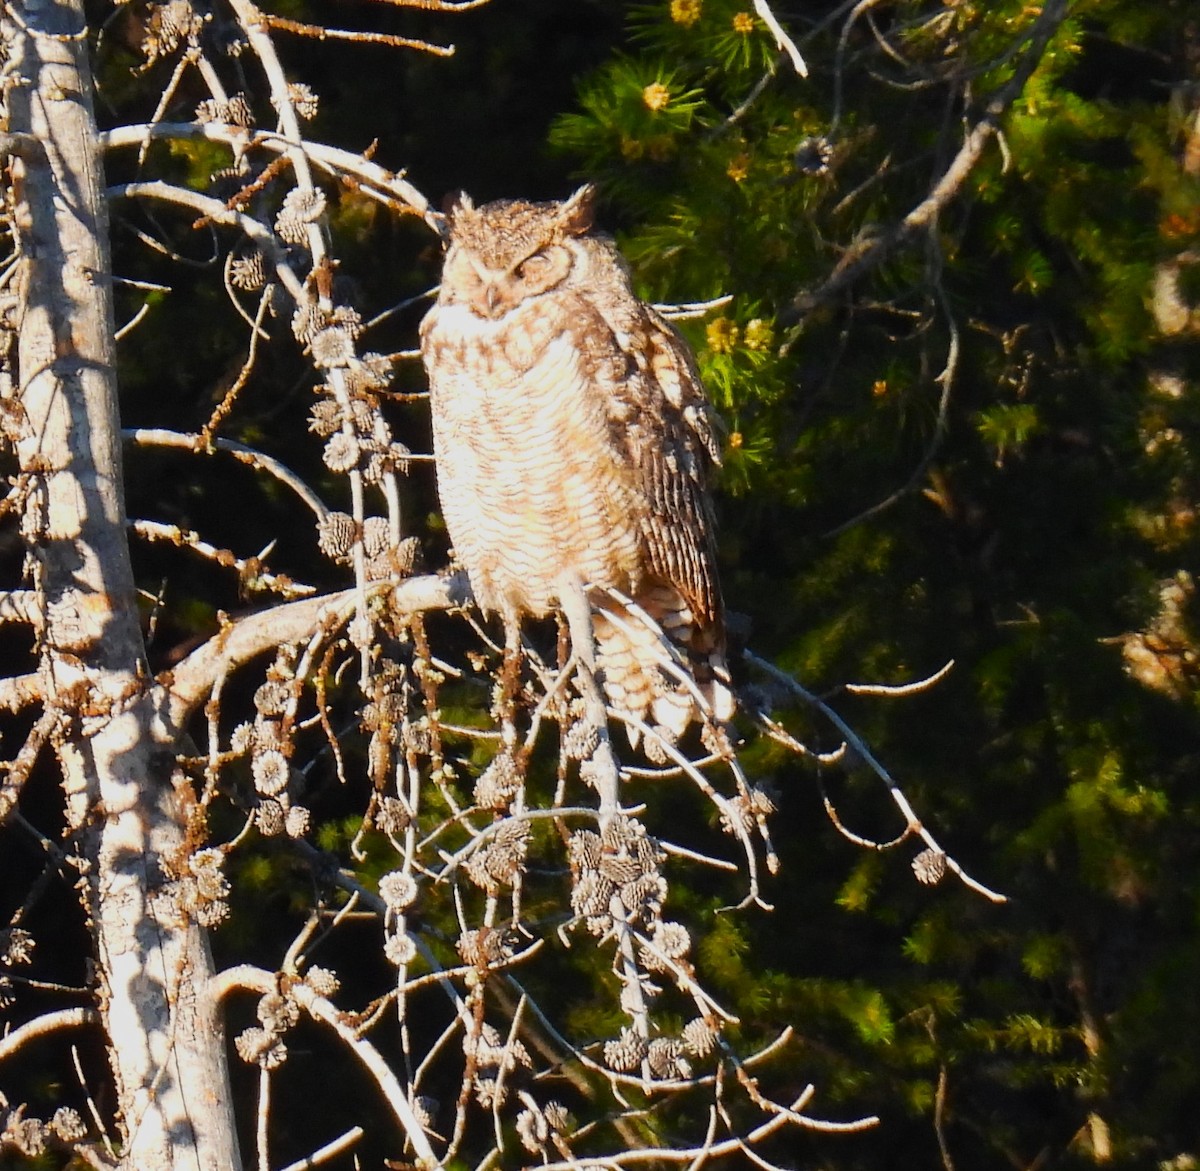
165	1040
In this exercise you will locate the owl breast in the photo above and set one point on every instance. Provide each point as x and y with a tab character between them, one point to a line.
535	493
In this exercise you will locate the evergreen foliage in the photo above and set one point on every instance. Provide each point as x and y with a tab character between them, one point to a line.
978	449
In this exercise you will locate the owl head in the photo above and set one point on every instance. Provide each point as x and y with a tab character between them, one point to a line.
502	253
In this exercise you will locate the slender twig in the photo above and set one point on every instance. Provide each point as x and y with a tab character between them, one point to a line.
262	1125
939	1118
132	324
250	979
895	689
946	381
46	727
329	1151
952	179
869	759
17	692
248	570
223	408
437	5
191	680
203	445
782	40
320	32
370	178
214	210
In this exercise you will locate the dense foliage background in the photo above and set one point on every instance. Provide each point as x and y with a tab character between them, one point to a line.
974	445
979	448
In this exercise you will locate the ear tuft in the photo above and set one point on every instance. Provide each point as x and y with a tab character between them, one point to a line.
455	202
579	212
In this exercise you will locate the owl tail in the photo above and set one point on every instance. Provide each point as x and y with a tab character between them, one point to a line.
658	667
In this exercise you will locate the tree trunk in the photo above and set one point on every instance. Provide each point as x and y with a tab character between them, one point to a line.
154	970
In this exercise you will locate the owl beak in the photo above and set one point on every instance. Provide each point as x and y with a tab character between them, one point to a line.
491	300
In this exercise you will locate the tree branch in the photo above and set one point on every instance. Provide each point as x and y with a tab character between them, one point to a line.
320	1009
42	1026
952	180
190	682
378	182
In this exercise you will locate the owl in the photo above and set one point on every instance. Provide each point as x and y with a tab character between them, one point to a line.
573	444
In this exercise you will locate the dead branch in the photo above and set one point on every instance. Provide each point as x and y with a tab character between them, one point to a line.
253	574
201	444
20	691
868	758
251	979
42	1026
953	178
387	187
247	638
23	606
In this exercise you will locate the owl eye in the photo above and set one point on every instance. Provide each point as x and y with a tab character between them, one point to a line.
532	265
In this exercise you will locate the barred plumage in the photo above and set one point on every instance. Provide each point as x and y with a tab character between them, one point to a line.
573	443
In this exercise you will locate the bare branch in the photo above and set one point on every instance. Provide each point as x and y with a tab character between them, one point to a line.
20	691
48	726
901	688
252	979
782	40
946	381
205	445
377	182
329	1151
437	5
190	682
214	210
250	571
868	758
42	1026
320	32
948	186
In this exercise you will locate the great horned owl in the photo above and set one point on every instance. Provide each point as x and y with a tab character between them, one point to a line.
573	442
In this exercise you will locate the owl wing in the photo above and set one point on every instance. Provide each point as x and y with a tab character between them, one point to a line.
667	430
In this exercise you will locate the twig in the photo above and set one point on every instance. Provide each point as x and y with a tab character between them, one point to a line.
263	1119
247	569
947	187
132	324
869	759
230	397
857	839
191	680
23	606
690	309
320	32
329	1151
437	5
839	60
218	213
378	182
48	725
901	688
939	1118
251	979
946	381
716	1150
93	1109
17	692
782	40
204	445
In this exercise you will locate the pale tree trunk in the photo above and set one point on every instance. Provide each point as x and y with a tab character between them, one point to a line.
164	1036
